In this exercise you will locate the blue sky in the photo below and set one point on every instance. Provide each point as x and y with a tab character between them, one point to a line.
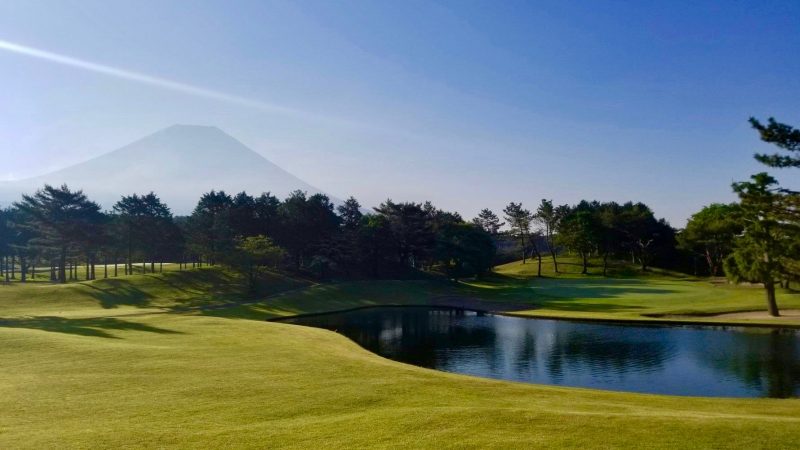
468	104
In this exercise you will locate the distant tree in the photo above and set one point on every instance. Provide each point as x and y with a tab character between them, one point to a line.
581	232
465	250
5	242
711	233
412	230
785	137
209	229
242	215
376	242
641	230
519	220
147	225
251	255
438	220
307	223
549	218
350	214
266	214
61	219
609	237
768	238
343	248
488	221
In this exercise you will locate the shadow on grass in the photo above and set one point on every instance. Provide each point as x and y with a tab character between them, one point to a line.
562	293
189	288
95	327
113	293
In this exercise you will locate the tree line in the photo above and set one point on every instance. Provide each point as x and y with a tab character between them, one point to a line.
607	230
60	230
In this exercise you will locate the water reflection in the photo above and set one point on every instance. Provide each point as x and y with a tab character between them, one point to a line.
712	361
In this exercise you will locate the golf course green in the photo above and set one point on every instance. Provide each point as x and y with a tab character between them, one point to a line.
187	359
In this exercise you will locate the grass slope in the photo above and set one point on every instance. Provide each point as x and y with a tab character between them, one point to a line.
628	296
128	363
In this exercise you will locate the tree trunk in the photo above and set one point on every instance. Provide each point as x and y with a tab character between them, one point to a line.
772	304
712	268
555	260
585	257
605	264
22	269
13	267
522	237
62	267
539	268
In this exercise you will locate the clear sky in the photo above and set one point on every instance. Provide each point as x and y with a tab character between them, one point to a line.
467	104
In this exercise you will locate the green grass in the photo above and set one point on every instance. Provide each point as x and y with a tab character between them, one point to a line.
656	295
42	274
173	360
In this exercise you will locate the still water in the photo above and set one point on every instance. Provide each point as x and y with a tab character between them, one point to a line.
679	360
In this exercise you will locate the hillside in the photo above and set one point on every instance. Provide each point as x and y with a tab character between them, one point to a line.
178	163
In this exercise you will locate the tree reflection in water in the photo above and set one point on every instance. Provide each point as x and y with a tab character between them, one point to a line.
711	361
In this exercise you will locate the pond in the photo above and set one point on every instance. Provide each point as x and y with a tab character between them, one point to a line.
679	360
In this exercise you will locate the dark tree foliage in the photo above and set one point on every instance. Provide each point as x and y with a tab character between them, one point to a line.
377	247
251	254
580	231
488	221
147	228
63	221
209	227
242	215
6	240
412	230
465	250
710	233
350	214
306	225
785	137
266	213
644	234
519	220
343	248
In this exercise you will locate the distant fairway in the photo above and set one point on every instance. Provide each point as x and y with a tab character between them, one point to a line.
184	359
631	296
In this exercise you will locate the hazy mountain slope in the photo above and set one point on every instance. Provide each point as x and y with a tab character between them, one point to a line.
178	163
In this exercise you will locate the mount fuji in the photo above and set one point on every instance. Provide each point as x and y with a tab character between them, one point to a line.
178	163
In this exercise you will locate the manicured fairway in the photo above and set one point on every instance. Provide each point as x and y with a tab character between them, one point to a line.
128	363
